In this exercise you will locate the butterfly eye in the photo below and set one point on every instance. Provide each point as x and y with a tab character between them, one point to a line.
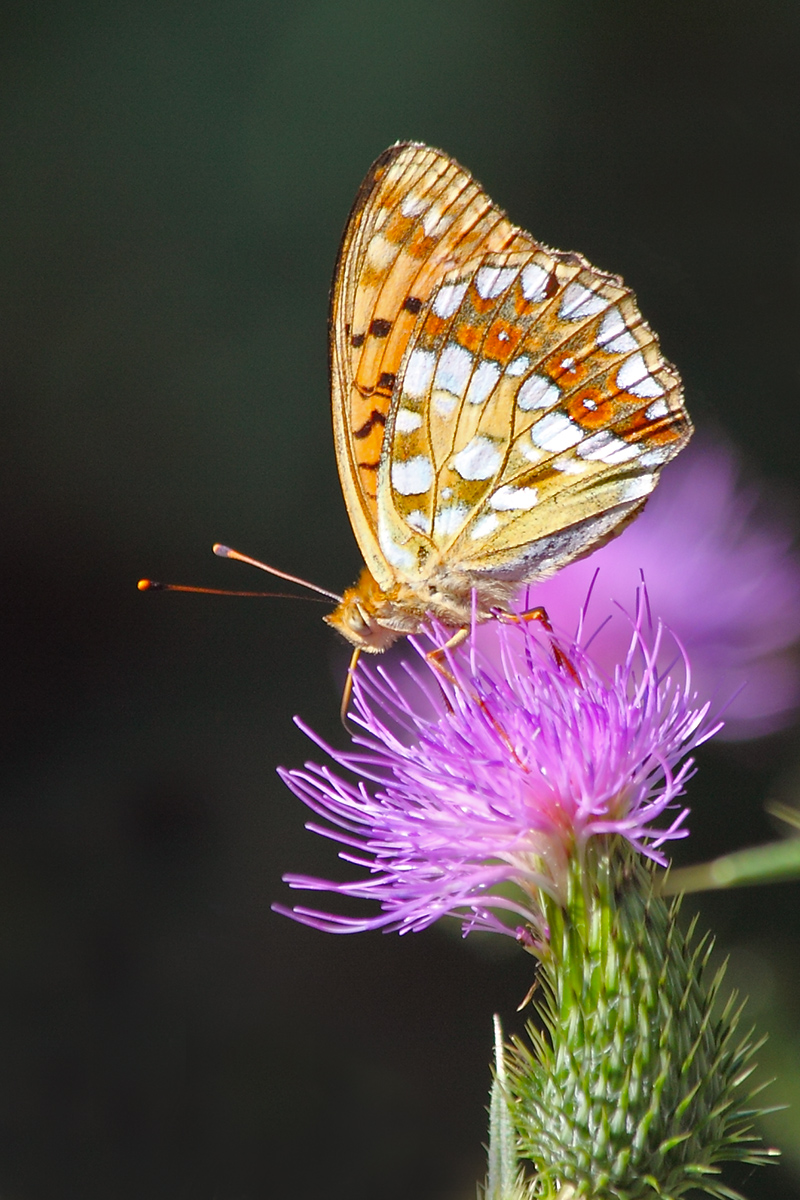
353	619
357	619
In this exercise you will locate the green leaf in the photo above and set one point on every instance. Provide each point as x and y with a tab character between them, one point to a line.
757	864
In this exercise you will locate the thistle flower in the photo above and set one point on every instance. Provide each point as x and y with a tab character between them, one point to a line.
527	792
474	792
722	575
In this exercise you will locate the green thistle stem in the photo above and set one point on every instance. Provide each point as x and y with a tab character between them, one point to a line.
634	1089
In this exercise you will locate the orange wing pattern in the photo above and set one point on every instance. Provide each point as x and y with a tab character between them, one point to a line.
499	407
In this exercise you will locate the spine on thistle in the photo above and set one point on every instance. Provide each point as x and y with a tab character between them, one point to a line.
634	1087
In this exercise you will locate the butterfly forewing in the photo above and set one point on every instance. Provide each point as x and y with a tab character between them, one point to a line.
499	407
417	214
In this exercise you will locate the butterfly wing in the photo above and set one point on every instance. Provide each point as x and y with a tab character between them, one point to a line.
532	414
499	407
417	215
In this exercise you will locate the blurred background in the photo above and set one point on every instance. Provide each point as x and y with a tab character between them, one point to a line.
175	179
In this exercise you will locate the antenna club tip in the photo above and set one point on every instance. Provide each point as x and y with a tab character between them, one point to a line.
222	551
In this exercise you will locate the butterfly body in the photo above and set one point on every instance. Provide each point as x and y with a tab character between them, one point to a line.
373	619
500	408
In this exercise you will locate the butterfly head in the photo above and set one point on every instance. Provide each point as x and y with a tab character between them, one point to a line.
369	618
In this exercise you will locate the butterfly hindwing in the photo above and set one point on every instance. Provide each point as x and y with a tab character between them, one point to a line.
543	403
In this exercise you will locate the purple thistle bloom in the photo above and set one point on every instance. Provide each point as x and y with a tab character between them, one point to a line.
474	793
722	575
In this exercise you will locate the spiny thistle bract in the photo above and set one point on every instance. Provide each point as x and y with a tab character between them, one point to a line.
634	1089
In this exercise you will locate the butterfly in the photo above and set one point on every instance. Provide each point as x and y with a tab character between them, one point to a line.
500	408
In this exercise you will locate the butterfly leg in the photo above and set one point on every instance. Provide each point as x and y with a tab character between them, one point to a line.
540	614
436	657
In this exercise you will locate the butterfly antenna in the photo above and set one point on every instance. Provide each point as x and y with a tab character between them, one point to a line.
226	552
152	585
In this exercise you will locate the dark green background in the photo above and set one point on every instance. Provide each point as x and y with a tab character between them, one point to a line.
175	177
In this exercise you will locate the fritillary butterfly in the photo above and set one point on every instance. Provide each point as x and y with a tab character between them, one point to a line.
499	408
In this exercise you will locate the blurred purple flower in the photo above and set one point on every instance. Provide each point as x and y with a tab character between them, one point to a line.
721	575
470	795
